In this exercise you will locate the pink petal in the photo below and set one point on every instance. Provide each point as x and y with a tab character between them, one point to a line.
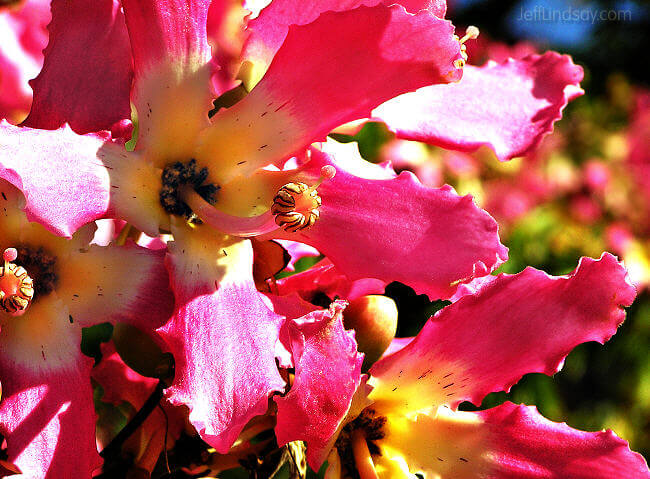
399	230
396	345
328	372
172	65
86	75
116	283
509	106
512	325
327	73
23	36
507	442
526	445
222	335
267	31
63	180
172	28
290	306
324	278
47	412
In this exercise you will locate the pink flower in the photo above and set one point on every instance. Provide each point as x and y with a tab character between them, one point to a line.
405	419
313	68
46	413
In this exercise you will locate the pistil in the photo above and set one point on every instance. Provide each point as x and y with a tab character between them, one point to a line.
471	33
16	287
295	207
362	458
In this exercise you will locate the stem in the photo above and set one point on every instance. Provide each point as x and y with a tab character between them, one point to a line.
113	447
162	410
362	457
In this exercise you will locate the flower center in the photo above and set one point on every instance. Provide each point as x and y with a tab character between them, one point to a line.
177	176
295	206
16	287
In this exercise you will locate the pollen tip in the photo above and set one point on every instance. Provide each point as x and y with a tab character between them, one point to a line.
472	32
10	254
328	172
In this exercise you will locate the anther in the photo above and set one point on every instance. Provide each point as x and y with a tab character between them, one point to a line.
16	287
178	176
471	33
296	205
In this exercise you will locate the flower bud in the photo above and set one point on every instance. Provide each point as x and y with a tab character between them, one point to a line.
374	320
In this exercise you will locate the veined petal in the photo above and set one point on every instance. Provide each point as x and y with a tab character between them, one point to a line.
509	107
509	441
513	325
269	29
426	238
49	423
86	76
328	372
222	334
314	84
23	36
60	173
116	283
171	61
